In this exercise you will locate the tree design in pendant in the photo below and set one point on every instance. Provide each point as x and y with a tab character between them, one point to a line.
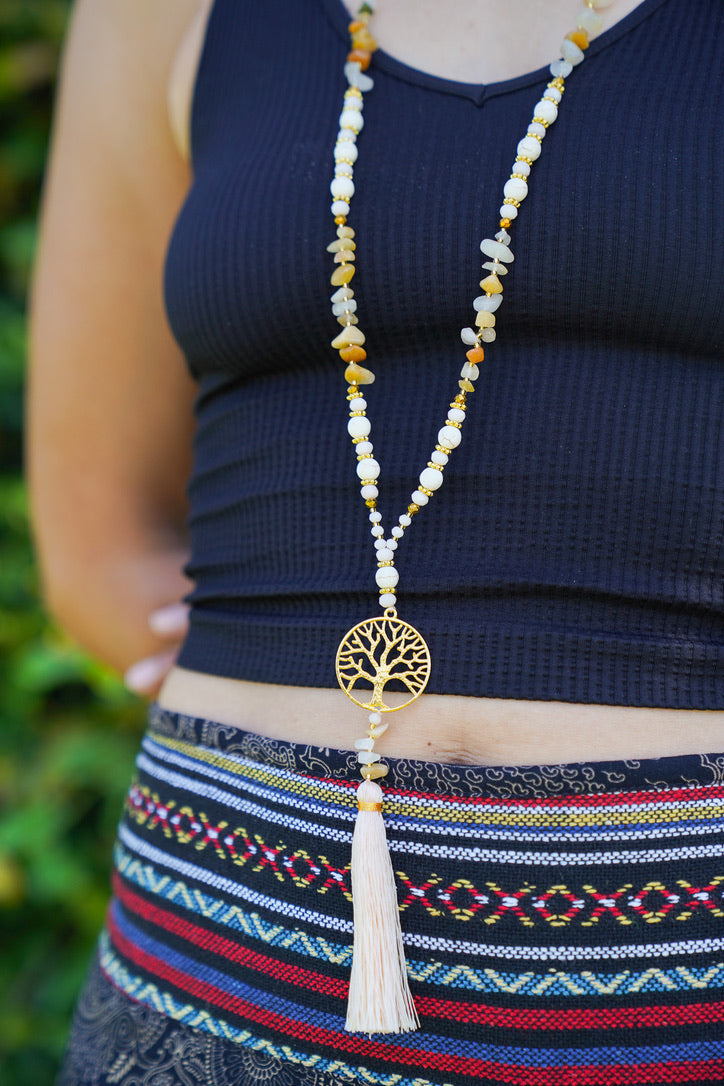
383	656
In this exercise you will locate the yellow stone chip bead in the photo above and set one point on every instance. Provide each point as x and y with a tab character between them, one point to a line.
347	337
345	232
341	243
491	285
358	375
342	275
372	772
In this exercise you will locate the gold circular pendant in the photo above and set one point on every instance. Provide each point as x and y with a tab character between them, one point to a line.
383	656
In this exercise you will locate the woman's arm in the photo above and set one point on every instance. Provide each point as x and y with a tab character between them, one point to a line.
110	399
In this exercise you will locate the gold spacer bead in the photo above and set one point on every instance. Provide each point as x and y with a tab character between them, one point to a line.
437	467
505	223
340	220
425	491
371	503
387	563
412	509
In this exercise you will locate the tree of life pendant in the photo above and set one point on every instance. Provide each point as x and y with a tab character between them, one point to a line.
383	663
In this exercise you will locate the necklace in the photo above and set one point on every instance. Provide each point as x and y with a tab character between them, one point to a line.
383	663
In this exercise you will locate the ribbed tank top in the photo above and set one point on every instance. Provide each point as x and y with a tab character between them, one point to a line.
575	549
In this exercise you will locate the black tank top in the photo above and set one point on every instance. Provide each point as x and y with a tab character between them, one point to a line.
575	550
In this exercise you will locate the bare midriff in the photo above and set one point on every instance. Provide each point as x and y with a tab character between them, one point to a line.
447	728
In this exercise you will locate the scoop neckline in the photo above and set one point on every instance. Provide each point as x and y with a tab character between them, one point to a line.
481	92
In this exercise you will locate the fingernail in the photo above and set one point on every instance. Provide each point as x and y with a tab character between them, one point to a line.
171	619
144	674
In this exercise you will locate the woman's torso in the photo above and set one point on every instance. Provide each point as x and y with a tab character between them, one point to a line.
442	726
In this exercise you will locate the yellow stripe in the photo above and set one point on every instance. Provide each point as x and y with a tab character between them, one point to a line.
335	794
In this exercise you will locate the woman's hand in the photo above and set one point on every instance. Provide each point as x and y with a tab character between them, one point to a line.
170	623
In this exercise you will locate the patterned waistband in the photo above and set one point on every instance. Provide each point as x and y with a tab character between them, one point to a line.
563	924
504	782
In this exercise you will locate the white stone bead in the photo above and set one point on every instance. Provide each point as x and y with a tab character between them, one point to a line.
552	93
521	168
431	478
571	52
561	68
379	543
364	448
508	211
468	336
449	436
349	306
359	426
364	744
515	188
387	577
418	497
342	295
339	207
535	129
342	188
489	304
369	491
375	517
387	599
496	250
404	520
398	532
384	554
356	77
529	148
352	119
358	404
589	20
487	335
368	468
548	111
345	151
392	544
377	531
367	757
352	100
470	372
438	458
494	266
343	170
374	719
503	236
456	414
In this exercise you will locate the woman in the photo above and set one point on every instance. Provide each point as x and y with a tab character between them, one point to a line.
562	918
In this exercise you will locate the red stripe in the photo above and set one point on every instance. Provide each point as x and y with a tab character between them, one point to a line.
227	948
622	1017
337	1041
642	798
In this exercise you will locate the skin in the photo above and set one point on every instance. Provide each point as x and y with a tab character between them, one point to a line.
110	400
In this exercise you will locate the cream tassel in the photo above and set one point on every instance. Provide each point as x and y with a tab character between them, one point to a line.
379	996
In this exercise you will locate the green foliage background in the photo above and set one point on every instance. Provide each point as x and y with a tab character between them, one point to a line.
68	729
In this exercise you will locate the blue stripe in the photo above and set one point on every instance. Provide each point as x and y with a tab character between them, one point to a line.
306	945
524	1057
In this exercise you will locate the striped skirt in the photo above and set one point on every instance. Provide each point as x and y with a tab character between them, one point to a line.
562	924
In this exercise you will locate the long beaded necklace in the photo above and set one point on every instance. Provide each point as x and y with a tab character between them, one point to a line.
384	653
